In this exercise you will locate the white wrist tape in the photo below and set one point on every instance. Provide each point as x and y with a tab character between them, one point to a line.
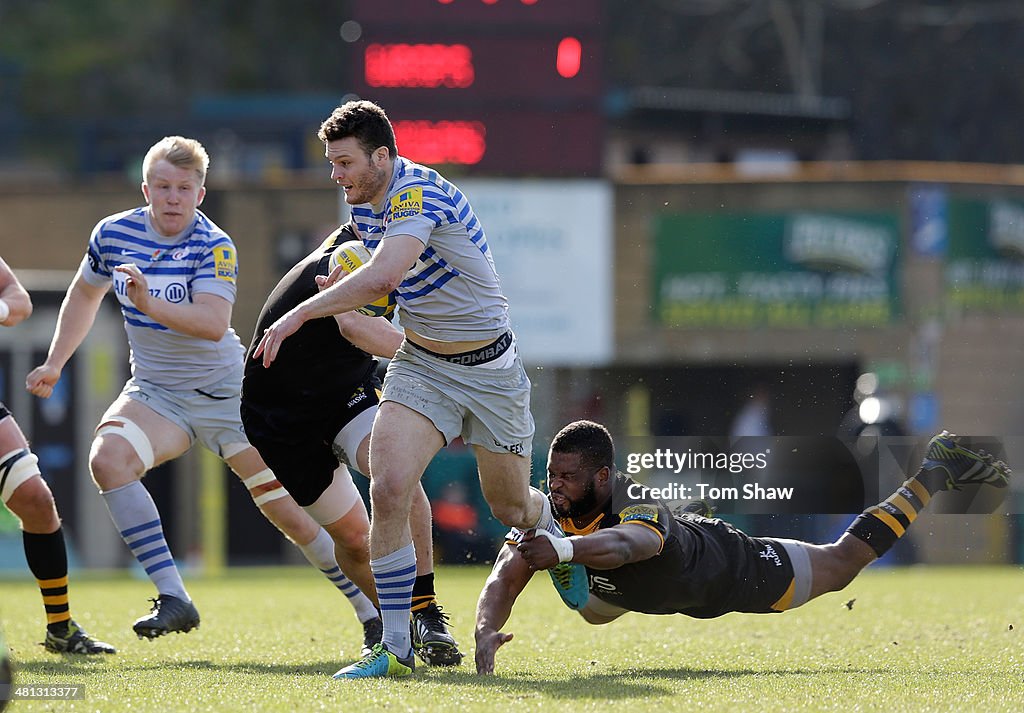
5	311
563	545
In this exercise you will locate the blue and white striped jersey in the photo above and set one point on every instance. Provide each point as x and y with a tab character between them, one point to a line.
201	259
452	293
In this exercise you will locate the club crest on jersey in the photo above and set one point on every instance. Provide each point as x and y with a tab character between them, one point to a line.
648	513
225	265
407	203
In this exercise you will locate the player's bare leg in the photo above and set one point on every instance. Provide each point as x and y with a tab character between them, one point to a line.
401	446
505	481
947	466
27	495
131	439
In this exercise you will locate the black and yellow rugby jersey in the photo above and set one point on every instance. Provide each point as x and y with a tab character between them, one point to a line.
706	567
315	364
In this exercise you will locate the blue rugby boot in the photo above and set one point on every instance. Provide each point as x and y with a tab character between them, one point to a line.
570	580
379	663
963	466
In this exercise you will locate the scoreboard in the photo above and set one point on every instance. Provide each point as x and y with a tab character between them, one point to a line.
496	87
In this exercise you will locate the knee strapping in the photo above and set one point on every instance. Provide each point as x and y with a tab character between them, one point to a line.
15	468
346	443
130	431
336	500
264	477
231	450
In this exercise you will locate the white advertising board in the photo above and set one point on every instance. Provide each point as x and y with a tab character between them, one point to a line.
552	244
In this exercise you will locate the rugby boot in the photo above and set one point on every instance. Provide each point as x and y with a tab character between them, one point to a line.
571	582
72	639
431	640
168	614
963	466
378	663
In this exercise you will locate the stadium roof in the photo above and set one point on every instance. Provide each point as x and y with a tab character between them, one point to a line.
729	102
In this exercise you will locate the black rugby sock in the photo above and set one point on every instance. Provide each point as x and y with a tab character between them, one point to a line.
47	557
881	525
423	591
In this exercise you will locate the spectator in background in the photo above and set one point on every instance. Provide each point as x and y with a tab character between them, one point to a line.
458	526
754	417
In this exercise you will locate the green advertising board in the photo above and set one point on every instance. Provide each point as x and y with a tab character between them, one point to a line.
985	259
797	269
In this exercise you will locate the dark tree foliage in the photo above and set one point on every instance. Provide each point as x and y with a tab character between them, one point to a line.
937	80
926	79
125	57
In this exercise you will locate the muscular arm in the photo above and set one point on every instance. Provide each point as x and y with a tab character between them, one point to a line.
77	313
380	276
605	549
15	297
206	317
616	546
373	335
506	582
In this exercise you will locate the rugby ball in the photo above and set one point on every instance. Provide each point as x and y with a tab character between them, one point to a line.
351	256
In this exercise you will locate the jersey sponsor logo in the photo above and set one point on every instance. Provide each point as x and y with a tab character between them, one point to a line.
514	448
602	584
648	513
179	254
158	286
407	203
175	292
358	396
225	265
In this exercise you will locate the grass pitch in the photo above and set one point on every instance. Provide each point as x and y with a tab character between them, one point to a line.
918	639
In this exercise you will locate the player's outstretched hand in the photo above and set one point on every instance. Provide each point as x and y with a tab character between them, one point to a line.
488	642
270	342
537	552
41	380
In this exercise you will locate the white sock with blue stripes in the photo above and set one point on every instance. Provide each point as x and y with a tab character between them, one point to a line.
135	516
394	575
320	553
547	520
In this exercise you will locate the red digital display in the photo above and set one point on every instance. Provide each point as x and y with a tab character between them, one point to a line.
419	66
504	87
510	70
569	57
460	142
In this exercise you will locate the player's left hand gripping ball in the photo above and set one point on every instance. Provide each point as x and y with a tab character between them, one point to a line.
351	256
